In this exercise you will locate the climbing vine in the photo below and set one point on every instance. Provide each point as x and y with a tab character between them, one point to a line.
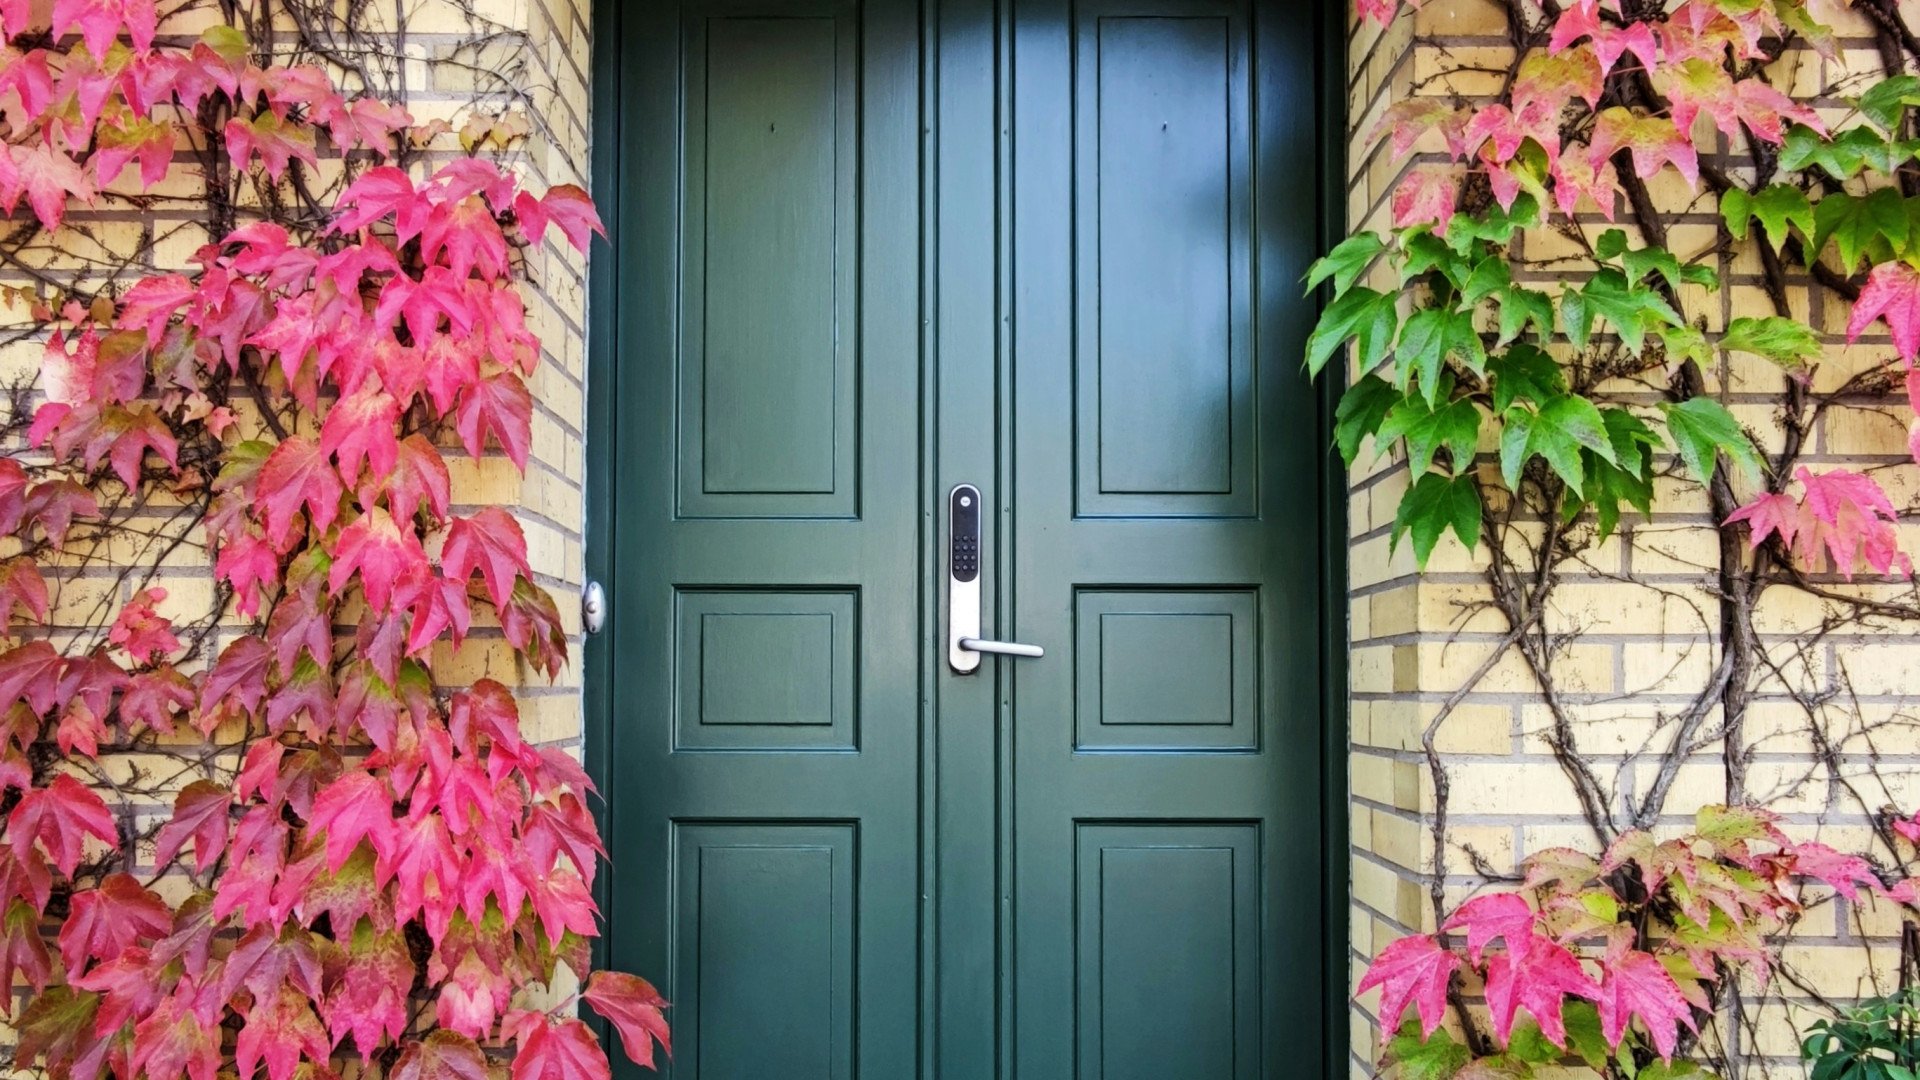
1545	405
265	836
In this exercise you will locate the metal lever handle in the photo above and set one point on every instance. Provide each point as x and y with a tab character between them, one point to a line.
1002	648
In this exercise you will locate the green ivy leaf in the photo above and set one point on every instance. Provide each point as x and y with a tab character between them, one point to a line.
1841	156
1678	1070
1558	432
1584	1037
1524	372
1780	205
1887	101
1736	209
1455	425
1608	295
1685	343
1497	227
1518	307
1429	337
1643	261
1627	479
1437	1058
1780	340
1529	1045
1701	429
1362	408
1346	262
1611	244
1425	251
1433	505
1362	314
1491	275
1872	225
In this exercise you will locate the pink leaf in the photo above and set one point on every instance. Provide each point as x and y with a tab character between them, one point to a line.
633	1005
492	543
1495	915
1634	983
1844	873
1537	975
1425	196
1892	292
1413	970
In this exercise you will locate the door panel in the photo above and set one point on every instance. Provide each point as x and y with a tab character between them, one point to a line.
765	721
1165	753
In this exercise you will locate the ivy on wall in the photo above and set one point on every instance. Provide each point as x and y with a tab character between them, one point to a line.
1541	406
358	864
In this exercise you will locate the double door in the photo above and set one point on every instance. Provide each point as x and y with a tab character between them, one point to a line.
870	251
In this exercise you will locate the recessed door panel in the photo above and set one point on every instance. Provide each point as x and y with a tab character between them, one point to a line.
1168	941
1161	279
762	996
769	343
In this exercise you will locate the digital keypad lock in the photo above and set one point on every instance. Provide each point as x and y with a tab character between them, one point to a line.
964	644
963	575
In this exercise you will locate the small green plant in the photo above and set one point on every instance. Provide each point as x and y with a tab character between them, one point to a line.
1879	1039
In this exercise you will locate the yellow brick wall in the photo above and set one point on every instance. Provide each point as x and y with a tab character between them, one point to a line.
1643	624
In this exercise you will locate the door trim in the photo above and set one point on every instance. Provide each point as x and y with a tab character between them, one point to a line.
609	103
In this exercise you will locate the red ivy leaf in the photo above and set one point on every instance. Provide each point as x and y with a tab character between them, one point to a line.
100	21
1843	872
22	947
418	478
1536	973
55	503
281	1030
1892	292
111	919
381	552
298	474
60	817
633	1005
1425	196
173	1041
278	143
1495	915
531	623
499	404
239	676
567	1050
154	698
361	428
369	1001
21	587
355	807
31	673
247	562
49	178
1652	140
143	632
442	1055
1635	983
1413	970
200	814
491	542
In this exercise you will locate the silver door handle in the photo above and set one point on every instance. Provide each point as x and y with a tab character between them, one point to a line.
1002	648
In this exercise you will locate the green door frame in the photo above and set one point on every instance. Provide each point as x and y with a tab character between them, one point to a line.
1331	22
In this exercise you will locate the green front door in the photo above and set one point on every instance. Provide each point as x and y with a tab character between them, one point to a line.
870	250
